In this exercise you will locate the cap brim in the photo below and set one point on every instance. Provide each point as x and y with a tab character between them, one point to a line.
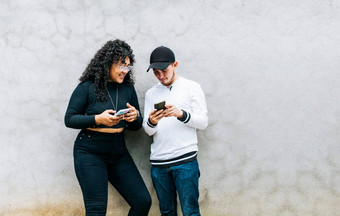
159	65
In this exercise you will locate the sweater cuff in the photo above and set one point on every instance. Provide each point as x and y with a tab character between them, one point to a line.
186	117
92	120
150	124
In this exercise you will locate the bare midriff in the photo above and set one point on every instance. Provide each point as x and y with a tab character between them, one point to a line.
107	130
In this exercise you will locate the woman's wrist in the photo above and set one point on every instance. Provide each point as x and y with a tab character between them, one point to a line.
138	114
97	119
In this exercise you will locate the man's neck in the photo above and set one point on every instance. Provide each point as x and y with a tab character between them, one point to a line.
175	77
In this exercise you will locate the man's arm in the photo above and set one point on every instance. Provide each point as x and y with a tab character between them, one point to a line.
149	127
198	117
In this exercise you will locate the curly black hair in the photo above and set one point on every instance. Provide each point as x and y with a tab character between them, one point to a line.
98	70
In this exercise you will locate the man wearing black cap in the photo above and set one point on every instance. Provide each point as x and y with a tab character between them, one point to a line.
174	148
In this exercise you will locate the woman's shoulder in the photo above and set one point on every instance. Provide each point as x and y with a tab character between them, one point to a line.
127	85
128	88
86	84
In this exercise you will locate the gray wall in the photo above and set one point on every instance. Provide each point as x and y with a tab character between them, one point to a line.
270	71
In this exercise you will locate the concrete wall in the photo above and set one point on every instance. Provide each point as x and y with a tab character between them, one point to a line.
270	71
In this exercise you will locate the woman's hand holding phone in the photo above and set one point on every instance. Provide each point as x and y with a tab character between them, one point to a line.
132	115
108	118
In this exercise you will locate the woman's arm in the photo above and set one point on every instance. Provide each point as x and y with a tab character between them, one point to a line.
136	124
75	116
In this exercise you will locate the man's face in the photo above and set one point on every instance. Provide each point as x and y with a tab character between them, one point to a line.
167	76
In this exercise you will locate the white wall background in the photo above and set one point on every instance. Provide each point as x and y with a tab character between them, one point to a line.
270	71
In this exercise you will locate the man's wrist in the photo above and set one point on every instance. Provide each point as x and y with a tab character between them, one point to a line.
151	124
180	114
185	117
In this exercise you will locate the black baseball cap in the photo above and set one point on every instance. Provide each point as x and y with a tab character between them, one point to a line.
161	57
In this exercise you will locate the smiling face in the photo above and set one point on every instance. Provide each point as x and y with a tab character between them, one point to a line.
116	73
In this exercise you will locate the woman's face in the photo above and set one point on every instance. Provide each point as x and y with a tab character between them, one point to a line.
119	70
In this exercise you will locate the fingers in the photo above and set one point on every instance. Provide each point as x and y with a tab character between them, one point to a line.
110	119
171	111
155	115
132	108
114	119
132	115
133	112
158	112
110	111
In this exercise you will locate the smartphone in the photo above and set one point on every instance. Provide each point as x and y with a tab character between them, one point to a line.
122	112
160	105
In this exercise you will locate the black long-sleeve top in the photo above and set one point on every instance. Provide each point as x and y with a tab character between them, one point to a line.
83	105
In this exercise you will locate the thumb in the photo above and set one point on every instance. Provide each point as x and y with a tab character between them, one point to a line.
132	108
110	111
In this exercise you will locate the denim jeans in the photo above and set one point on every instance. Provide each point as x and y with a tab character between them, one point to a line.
181	178
101	158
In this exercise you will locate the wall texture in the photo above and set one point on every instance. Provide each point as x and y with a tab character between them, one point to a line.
270	71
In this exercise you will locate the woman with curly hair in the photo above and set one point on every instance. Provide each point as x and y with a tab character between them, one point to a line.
100	154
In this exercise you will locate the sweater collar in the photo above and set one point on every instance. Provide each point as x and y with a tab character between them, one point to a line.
172	86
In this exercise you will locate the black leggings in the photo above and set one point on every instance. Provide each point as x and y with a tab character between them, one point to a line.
102	157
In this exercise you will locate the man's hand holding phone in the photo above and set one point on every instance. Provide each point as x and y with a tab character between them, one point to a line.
156	115
158	112
172	110
162	110
160	105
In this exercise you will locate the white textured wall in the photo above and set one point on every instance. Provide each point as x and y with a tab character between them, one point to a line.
270	71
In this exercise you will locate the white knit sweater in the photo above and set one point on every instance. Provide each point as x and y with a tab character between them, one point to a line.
175	140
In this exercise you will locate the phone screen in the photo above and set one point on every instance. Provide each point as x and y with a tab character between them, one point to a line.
160	105
122	111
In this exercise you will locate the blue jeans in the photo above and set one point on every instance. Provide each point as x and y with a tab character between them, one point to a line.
181	178
101	158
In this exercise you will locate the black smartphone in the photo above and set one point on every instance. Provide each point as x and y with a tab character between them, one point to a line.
160	105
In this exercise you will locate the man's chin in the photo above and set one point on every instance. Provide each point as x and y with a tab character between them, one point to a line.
165	83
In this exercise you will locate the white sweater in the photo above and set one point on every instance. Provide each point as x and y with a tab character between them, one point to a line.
175	140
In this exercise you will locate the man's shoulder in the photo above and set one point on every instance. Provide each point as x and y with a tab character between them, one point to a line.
153	88
189	82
